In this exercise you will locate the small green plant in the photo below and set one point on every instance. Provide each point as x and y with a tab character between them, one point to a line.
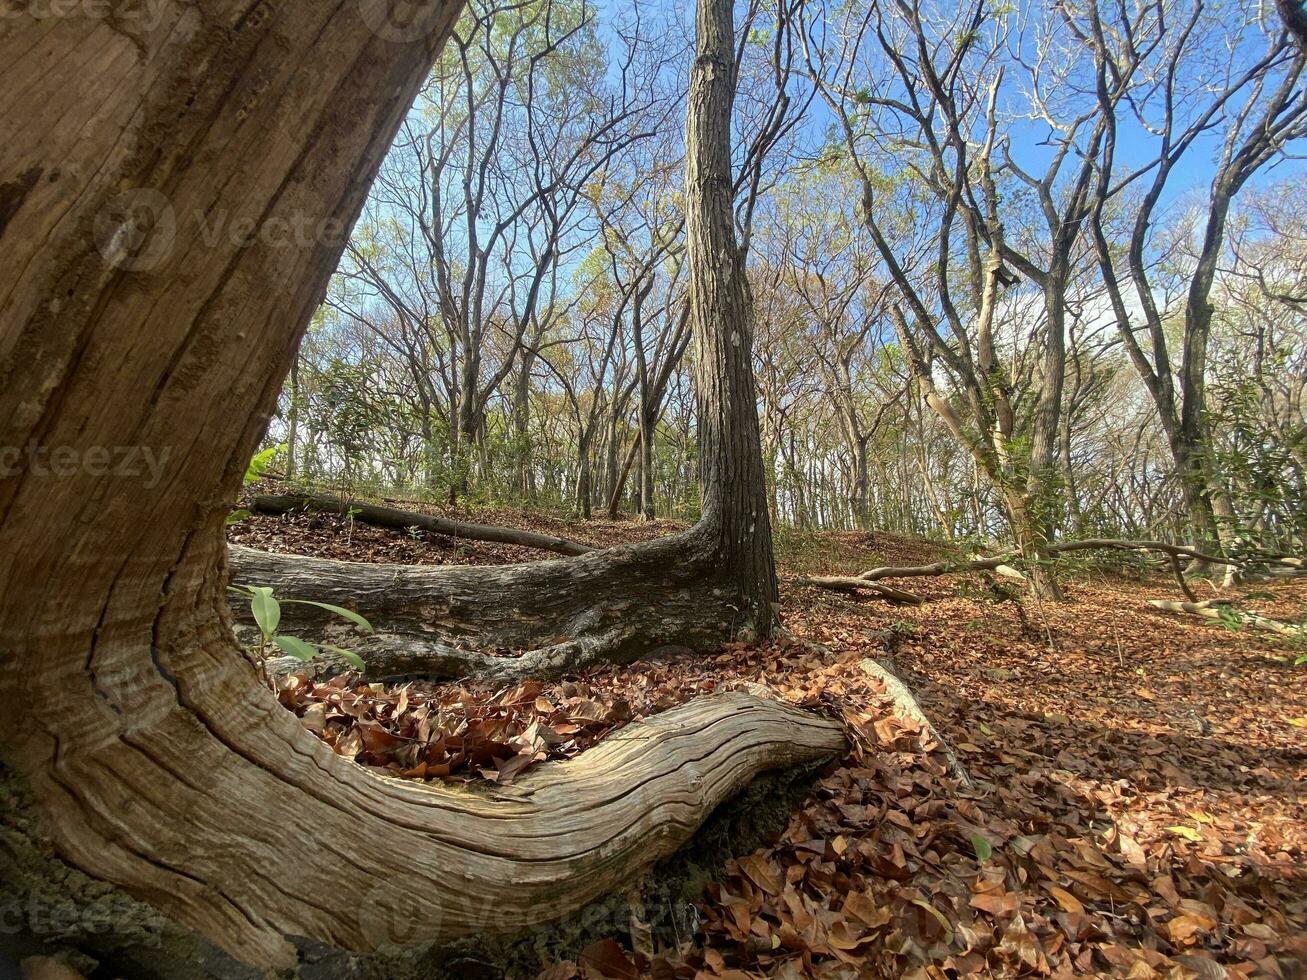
253	473
903	629
1230	618
266	609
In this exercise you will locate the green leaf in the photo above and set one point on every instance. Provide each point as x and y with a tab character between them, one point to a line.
266	609
349	614
260	463
984	850
293	646
349	656
236	516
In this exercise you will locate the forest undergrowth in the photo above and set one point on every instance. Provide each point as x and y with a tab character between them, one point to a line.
1135	807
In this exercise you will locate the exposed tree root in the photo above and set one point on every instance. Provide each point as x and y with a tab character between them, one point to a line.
543	618
500	859
393	517
902	697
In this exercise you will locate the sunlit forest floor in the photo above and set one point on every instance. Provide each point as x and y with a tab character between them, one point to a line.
1136	806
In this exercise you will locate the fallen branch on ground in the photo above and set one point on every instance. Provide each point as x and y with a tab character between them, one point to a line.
907	704
997	564
1003	565
1213	611
393	517
845	583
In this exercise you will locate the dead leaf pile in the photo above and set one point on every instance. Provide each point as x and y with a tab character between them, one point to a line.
433	732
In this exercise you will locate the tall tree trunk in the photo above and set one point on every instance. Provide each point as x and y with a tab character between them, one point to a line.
584	490
154	756
645	493
734	485
522	428
1037	513
293	416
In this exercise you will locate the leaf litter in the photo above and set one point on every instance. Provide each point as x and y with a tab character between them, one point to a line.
1136	802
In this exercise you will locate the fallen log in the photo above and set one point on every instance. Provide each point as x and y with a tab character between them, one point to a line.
1212	611
392	517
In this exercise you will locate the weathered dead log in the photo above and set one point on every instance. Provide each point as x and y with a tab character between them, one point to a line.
1213	611
393	517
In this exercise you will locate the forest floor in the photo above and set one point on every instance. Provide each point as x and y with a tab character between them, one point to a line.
1136	806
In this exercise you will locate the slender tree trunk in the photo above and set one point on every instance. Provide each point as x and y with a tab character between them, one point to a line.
584	490
647	509
1032	541
522	429
1037	515
293	416
1070	491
